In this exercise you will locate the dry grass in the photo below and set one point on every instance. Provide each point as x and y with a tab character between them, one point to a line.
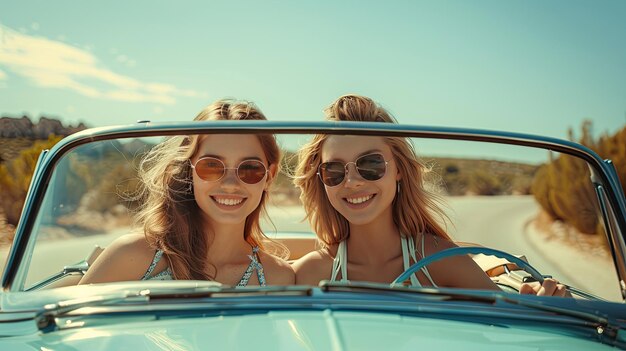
10	147
7	231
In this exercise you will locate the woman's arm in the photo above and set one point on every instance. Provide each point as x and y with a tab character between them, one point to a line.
464	272
457	271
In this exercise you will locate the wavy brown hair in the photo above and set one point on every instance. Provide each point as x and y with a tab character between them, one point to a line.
415	209
169	215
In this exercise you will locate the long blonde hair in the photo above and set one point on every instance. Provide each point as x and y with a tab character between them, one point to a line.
415	209
169	215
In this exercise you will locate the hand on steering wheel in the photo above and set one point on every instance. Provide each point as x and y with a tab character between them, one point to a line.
456	251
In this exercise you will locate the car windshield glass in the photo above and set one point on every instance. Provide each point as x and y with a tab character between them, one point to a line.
536	204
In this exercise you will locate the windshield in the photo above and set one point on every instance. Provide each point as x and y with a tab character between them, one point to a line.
532	203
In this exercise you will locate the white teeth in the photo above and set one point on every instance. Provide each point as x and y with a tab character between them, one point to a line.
359	200
228	202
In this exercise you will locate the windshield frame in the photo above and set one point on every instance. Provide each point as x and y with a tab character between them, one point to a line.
603	172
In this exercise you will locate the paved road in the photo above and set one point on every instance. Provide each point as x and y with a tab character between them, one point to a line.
502	227
497	222
504	223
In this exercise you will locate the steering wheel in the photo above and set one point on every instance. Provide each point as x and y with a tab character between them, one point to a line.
457	251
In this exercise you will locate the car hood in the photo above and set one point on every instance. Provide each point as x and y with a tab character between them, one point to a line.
302	330
308	319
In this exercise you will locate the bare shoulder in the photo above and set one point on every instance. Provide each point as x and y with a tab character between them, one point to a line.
127	258
132	247
434	244
313	267
277	270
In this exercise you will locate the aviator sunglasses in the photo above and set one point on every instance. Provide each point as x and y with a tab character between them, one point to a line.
370	167
212	169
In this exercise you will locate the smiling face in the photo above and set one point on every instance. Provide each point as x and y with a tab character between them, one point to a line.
229	200
360	201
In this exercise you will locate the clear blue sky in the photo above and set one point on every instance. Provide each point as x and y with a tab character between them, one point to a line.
535	67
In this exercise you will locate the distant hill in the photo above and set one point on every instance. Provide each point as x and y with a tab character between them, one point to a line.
482	176
18	133
23	127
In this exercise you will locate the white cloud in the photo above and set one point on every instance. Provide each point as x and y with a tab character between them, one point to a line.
54	64
128	62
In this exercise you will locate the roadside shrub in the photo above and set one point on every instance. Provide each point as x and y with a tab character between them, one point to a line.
484	183
15	177
614	148
454	178
562	186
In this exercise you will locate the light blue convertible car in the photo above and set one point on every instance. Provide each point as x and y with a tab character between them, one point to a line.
507	196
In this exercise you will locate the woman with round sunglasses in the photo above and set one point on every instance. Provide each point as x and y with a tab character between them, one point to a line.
204	195
365	199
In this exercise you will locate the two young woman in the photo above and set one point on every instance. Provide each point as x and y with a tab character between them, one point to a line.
363	195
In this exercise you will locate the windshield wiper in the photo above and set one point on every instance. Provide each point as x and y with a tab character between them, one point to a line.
600	322
431	293
46	318
222	291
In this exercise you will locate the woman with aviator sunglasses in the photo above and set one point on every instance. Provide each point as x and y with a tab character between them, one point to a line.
204	195
364	196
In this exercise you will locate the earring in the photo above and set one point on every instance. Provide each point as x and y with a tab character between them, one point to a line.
398	187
